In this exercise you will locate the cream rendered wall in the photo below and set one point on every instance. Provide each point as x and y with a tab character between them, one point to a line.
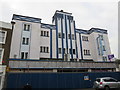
35	41
93	45
73	41
16	39
44	41
78	45
68	32
107	45
64	40
86	46
53	43
59	39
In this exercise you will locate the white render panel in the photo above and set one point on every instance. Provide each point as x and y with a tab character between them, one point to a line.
59	39
86	46
45	42
93	45
64	40
35	40
78	45
68	32
26	34
16	39
53	43
107	45
24	48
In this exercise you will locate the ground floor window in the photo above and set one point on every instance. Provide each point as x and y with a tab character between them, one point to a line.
86	52
73	51
104	58
60	50
24	55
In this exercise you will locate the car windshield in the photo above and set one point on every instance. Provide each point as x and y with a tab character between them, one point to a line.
110	80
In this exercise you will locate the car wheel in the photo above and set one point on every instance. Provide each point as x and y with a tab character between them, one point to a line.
107	88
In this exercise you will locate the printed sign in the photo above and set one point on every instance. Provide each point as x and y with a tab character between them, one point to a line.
86	77
110	57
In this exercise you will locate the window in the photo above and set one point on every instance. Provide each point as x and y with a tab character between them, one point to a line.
1	53
64	50
84	38
2	36
73	37
104	58
86	52
45	33
69	36
47	49
24	55
73	51
41	49
44	49
41	33
101	36
70	51
26	27
59	50
59	35
25	41
104	48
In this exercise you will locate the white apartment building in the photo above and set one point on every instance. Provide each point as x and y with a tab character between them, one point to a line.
60	40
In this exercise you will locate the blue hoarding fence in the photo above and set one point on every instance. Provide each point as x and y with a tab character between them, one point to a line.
56	80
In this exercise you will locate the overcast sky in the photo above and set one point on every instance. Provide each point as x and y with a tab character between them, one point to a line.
87	14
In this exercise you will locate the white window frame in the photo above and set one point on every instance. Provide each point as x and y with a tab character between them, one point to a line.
25	41
26	28
4	37
1	55
25	55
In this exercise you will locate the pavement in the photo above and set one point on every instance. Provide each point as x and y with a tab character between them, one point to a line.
88	89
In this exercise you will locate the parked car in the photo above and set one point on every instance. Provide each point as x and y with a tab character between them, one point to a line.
106	83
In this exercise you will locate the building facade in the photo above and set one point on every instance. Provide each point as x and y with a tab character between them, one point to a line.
60	40
5	41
